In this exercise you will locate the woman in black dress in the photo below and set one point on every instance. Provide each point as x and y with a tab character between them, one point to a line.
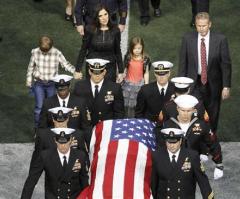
102	40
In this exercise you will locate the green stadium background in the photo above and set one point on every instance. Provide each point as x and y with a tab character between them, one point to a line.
22	22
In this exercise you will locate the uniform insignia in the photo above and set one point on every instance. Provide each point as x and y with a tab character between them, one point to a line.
109	97
62	134
160	66
211	195
173	96
97	65
76	166
195	113
160	117
202	167
75	112
74	143
206	117
186	165
60	113
61	81
197	129
88	115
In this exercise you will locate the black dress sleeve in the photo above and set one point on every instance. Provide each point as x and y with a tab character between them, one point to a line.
117	49
86	42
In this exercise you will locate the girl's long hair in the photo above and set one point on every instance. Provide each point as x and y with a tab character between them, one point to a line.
133	42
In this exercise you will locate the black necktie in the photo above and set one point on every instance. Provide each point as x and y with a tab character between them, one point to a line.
162	92
96	91
64	163
174	163
64	105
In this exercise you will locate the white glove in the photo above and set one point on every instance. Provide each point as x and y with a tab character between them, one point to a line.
218	173
203	158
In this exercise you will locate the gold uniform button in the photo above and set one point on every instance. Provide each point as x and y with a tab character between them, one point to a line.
168	197
69	190
178	197
99	113
58	190
179	189
179	181
58	197
168	189
69	183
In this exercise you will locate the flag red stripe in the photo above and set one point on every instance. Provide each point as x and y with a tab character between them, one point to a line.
147	177
130	169
109	169
98	135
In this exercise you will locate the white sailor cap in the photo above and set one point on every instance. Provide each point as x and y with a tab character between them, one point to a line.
60	114
172	135
62	80
63	135
162	66
97	64
182	82
186	101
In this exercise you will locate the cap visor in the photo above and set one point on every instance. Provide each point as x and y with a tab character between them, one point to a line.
173	140
62	140
161	73
61	118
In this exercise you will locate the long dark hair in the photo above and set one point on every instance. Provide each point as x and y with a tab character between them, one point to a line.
98	8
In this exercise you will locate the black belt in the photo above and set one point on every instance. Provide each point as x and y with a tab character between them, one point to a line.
44	81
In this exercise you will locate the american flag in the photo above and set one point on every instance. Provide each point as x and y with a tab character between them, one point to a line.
120	156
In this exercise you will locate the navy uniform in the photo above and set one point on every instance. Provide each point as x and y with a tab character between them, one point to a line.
85	10
65	173
197	134
153	96
108	102
175	173
45	140
181	87
45	137
78	118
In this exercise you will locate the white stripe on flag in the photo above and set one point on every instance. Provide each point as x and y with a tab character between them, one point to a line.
92	145
102	155
140	174
119	170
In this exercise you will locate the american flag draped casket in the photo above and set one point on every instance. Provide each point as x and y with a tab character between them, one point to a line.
120	158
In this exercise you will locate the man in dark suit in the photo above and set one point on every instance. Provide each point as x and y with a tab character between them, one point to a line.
153	96
104	98
198	6
205	58
65	169
176	170
78	119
